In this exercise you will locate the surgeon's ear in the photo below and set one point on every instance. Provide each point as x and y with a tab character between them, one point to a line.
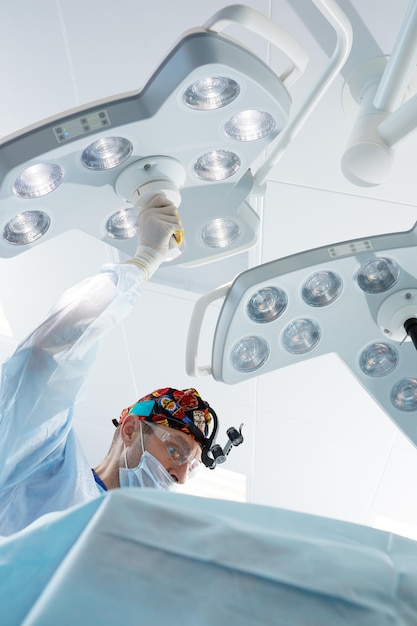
129	429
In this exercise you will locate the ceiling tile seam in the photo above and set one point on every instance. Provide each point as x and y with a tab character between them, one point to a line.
250	474
268	46
68	51
342	193
369	519
255	253
115	256
129	359
158	288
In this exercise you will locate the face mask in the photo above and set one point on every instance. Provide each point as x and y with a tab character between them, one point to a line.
149	473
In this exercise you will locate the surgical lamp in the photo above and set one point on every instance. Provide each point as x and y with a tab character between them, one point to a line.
357	299
382	95
196	132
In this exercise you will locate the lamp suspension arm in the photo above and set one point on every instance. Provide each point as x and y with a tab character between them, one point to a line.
399	123
400	65
395	80
384	115
261	25
339	21
194	331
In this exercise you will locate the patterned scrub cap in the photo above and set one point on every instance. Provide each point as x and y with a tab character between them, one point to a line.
173	408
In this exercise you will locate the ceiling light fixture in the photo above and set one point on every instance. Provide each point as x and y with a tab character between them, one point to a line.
220	232
196	131
382	96
26	227
211	92
106	153
123	224
38	180
356	298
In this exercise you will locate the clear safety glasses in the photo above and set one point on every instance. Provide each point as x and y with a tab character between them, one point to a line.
177	449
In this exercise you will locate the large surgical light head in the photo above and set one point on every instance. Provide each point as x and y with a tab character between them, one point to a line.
205	116
357	299
201	127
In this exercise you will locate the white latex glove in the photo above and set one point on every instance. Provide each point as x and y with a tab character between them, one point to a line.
158	220
159	229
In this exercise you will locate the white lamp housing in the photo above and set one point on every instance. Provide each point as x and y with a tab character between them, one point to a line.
212	108
351	298
107	151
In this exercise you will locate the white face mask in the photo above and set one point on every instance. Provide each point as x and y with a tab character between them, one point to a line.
148	473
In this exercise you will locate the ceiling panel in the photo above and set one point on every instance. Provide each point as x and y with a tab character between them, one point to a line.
35	74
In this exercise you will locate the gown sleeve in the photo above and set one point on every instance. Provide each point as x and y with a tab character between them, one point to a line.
42	379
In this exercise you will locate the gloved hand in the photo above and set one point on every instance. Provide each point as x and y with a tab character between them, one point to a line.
159	234
158	220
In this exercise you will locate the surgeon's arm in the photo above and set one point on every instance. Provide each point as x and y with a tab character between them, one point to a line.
88	309
42	379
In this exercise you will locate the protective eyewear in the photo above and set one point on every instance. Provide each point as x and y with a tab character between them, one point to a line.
177	449
212	454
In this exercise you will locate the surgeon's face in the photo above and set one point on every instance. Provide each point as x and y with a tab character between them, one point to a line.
176	451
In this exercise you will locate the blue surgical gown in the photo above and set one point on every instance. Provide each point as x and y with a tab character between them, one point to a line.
42	466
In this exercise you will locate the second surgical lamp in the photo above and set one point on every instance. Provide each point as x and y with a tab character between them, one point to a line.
356	298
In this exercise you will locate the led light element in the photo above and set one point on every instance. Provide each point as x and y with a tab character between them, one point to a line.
38	180
378	359
106	153
220	232
249	353
212	92
404	394
321	288
26	227
378	275
217	165
301	336
250	125
267	304
123	224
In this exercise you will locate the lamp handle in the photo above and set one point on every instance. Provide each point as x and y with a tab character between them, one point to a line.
266	28
194	330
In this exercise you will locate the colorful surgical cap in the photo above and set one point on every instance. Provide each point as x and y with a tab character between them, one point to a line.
174	408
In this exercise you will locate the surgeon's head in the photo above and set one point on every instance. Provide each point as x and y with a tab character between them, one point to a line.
160	439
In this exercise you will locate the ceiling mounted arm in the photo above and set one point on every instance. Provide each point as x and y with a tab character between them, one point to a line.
377	92
338	20
261	25
400	66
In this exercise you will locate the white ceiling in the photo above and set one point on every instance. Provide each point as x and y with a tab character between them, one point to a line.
315	441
